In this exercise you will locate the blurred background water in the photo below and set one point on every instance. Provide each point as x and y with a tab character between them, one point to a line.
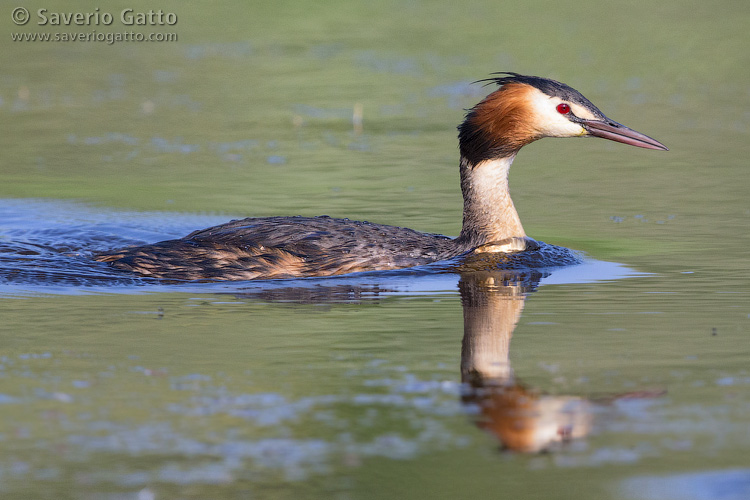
114	387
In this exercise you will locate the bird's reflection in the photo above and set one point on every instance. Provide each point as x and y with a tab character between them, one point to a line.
522	419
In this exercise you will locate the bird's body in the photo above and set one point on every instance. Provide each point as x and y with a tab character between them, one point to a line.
522	110
285	247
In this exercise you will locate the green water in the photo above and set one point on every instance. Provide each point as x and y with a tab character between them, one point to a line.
128	392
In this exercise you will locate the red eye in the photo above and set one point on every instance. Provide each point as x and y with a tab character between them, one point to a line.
563	108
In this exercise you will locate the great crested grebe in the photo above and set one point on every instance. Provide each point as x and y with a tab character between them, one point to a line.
522	110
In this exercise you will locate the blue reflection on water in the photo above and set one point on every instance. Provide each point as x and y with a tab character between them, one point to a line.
711	485
46	248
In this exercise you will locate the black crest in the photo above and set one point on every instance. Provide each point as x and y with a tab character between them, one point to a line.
548	86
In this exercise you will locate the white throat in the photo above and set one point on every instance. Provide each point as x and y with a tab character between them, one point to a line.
489	214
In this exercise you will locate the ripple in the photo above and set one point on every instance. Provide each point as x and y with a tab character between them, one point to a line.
46	248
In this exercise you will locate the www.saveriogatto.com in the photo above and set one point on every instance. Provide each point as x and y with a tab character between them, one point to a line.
69	25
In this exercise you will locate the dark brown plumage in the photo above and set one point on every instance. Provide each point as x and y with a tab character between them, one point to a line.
522	110
284	247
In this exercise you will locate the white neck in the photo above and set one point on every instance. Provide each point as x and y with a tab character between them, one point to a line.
489	213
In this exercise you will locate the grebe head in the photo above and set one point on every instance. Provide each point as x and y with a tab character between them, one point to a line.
527	108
